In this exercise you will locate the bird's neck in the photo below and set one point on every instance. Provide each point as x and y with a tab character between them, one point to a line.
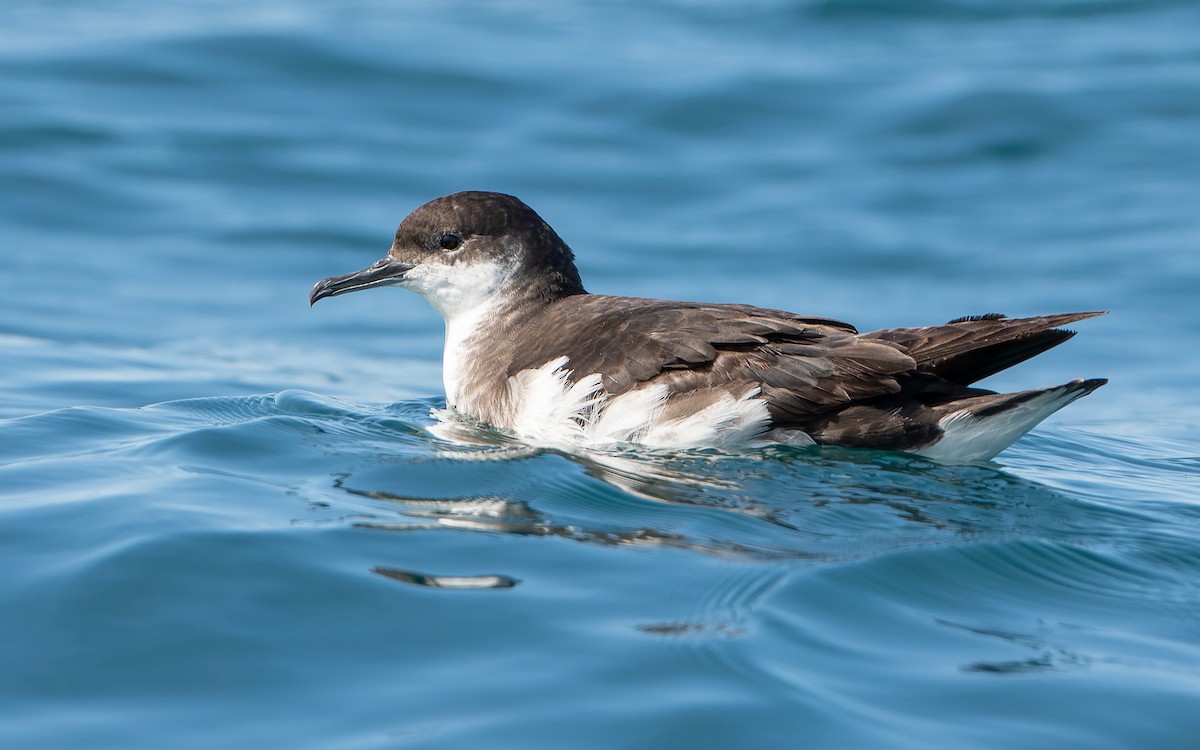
481	340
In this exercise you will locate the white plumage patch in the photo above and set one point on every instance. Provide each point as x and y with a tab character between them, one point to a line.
464	295
548	408
968	437
551	410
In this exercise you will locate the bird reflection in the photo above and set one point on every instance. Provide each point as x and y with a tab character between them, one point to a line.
502	515
446	582
646	474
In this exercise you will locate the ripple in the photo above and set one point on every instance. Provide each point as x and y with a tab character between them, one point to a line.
982	11
724	607
1045	658
220	410
76	430
1023	574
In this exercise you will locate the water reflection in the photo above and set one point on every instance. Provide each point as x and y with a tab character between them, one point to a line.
778	503
508	516
446	582
1045	657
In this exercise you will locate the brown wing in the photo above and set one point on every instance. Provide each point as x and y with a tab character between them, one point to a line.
803	365
970	349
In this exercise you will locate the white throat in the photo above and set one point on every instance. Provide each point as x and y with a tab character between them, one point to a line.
465	295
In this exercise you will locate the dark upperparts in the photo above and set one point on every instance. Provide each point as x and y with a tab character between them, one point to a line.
896	383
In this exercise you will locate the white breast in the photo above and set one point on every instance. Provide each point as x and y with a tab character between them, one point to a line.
465	295
456	355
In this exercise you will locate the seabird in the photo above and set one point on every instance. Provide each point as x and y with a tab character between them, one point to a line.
529	351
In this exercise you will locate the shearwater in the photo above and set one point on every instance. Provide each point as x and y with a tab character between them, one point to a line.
529	351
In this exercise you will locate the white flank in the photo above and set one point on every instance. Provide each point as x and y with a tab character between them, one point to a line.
728	423
548	408
970	438
551	410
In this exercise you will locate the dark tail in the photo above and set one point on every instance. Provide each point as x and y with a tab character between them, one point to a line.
966	350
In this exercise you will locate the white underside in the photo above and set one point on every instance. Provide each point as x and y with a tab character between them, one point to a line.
968	438
551	410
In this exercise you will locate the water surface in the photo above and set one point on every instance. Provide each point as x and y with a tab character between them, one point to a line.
226	522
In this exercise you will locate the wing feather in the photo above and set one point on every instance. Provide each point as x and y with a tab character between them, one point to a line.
802	365
969	349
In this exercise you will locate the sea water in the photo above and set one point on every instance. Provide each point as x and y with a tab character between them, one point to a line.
225	520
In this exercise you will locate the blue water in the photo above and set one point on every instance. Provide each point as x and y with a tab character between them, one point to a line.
224	523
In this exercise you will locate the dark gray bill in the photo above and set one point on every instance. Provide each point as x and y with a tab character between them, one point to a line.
381	273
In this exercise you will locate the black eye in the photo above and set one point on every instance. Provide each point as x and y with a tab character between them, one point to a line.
449	241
